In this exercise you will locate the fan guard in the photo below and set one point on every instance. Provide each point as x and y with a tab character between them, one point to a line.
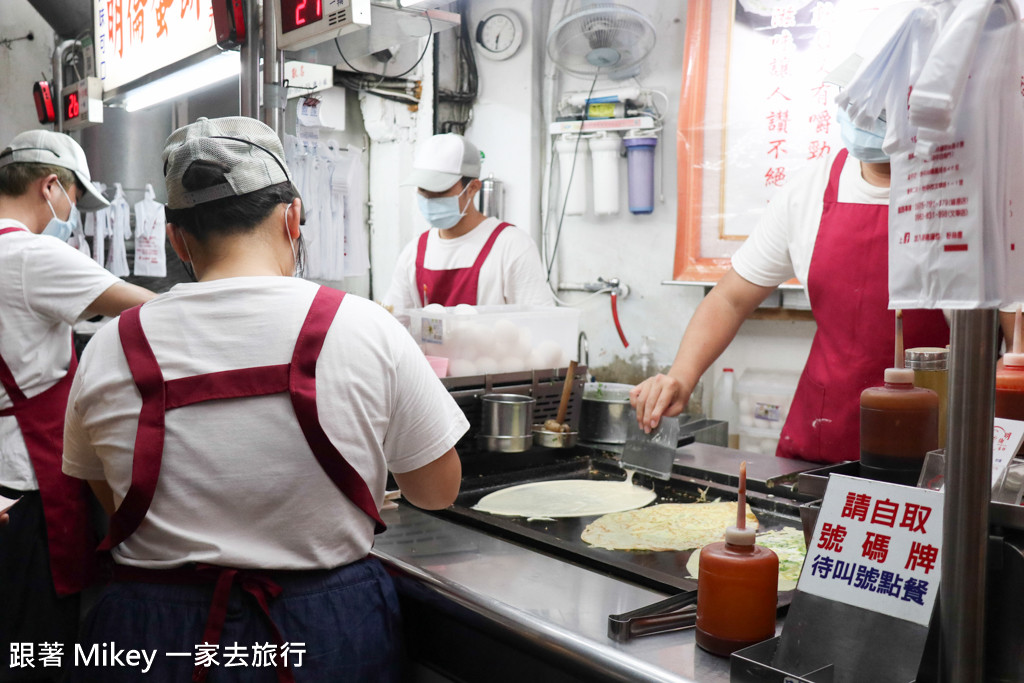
601	38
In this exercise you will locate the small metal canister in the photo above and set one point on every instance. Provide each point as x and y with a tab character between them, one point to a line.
931	371
492	197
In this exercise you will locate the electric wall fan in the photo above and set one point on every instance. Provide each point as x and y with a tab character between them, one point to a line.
601	38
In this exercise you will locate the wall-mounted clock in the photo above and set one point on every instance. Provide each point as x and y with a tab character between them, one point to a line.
499	34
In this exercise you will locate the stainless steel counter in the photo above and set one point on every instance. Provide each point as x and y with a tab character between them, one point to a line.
560	607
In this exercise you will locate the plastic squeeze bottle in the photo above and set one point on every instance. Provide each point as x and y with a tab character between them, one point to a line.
737	587
723	405
899	423
1010	378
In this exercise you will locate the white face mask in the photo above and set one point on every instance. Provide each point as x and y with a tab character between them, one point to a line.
62	229
442	212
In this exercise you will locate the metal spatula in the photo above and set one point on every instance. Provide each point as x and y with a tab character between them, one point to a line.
653	453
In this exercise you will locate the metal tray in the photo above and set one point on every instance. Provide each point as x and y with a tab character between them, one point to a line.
662	571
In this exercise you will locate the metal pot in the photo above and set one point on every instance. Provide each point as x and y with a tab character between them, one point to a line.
605	412
507	415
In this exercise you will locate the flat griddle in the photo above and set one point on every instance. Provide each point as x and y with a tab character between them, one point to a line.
663	571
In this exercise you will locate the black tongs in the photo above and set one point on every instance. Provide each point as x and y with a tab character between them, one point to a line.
672	614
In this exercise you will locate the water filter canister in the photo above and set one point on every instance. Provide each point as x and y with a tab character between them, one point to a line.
640	173
572	195
604	153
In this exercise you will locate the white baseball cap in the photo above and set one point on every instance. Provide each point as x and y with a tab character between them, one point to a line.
55	149
442	160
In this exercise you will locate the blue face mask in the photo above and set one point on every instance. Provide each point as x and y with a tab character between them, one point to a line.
62	229
864	145
442	212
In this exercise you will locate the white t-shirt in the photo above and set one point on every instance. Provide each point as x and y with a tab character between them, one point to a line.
511	274
238	484
781	245
45	287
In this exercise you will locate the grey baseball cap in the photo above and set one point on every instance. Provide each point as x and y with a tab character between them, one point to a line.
55	149
249	149
442	160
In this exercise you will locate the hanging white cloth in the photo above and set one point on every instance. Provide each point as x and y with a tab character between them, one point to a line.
77	239
98	226
150	236
120	231
332	184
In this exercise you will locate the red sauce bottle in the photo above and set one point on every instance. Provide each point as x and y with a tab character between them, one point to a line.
737	588
899	424
1010	378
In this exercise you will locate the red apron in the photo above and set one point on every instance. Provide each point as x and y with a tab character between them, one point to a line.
297	378
848	287
65	499
455	286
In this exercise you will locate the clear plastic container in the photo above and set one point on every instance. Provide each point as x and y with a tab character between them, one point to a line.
479	340
763	398
755	440
723	404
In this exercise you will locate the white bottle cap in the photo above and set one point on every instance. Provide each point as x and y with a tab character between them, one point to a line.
899	376
1013	360
736	536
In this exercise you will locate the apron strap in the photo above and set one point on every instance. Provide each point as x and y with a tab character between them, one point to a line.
302	389
488	245
149	439
832	189
242	383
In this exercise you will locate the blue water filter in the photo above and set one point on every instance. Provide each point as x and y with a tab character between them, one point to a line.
640	169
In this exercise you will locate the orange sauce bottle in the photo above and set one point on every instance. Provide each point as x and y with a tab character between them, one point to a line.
1010	378
737	587
899	424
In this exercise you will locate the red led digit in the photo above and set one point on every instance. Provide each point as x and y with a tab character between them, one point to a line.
72	105
299	19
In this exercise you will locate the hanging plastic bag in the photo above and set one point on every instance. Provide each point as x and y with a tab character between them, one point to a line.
949	211
150	236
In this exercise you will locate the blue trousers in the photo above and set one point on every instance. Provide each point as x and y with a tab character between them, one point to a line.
348	619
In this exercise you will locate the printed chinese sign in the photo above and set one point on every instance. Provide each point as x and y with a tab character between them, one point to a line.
754	109
877	546
137	37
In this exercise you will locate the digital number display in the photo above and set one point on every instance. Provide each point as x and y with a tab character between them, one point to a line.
299	13
71	106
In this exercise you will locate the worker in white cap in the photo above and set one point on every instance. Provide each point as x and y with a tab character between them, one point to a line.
465	257
46	546
241	429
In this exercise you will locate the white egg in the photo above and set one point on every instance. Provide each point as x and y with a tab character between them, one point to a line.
486	365
506	337
433	308
511	364
485	340
551	354
465	309
536	360
461	368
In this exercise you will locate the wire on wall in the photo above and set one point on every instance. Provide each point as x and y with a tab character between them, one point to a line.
457	104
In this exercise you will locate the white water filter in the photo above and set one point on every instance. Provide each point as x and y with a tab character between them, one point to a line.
573	195
604	153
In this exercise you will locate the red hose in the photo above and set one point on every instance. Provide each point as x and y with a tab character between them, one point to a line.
615	317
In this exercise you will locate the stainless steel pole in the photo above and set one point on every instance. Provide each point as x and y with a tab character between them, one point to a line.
968	491
249	80
273	71
58	83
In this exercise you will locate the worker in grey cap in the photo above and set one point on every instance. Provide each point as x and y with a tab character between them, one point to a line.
465	257
46	285
244	426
